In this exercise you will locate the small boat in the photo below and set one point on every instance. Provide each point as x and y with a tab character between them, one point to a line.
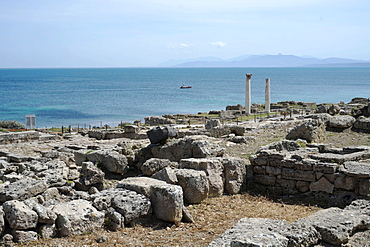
183	87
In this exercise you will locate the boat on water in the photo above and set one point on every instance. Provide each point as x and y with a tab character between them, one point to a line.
183	87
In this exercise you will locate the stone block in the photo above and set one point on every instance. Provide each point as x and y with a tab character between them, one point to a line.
194	184
346	182
298	175
322	185
264	179
19	215
167	202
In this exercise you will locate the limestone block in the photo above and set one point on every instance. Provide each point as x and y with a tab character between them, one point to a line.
77	217
287	145
264	179
259	169
132	206
336	225
213	169
298	175
237	130
111	160
302	186
115	221
22	189
341	122
362	206
212	123
154	165
327	168
256	232
20	236
311	131
346	182
45	215
167	174
300	234
273	171
356	169
167	202
19	215
91	174
235	173
188	147
364	187
322	185
131	129
194	184
80	156
141	185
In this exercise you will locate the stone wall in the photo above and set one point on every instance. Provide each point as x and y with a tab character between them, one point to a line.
12	137
336	175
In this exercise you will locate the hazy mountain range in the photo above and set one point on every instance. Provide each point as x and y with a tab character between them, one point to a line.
267	61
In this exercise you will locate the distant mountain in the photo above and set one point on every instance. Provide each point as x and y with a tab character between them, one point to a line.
266	61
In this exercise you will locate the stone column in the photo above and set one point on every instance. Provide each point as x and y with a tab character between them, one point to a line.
267	95
248	94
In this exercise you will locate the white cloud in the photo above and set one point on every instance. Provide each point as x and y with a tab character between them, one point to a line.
180	46
218	44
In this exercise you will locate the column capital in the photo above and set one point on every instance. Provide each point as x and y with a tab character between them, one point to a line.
249	76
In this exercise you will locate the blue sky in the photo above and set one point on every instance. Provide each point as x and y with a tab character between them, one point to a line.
122	33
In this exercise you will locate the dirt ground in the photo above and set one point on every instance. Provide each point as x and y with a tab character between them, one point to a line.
214	215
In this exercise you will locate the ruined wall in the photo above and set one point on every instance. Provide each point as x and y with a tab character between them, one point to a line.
336	175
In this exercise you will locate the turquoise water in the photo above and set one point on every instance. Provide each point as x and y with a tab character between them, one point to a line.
108	96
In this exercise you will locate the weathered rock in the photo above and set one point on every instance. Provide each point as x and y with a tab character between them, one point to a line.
194	184
235	173
160	134
256	232
141	185
112	161
19	215
132	206
77	217
335	225
341	122
22	189
45	215
20	236
311	131
2	220
56	174
158	120
187	147
322	185
300	235
237	130
154	165
362	124
115	221
167	174
48	231
361	206
333	109
167	202
212	123
214	170
91	174
282	145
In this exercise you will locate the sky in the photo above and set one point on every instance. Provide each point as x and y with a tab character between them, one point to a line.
145	33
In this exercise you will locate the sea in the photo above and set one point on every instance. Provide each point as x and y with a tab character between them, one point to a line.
109	96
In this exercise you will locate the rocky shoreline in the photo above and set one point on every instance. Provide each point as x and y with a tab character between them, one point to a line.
57	185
